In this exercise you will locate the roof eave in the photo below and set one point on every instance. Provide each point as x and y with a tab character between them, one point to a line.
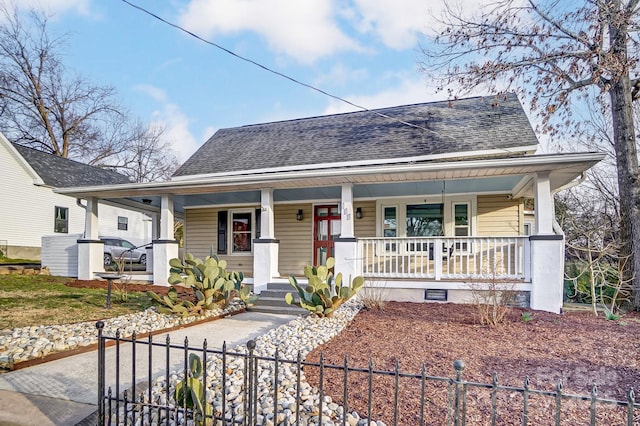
250	181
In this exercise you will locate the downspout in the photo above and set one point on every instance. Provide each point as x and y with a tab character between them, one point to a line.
581	179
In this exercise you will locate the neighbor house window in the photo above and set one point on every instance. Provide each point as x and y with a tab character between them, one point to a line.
61	222
241	232
123	223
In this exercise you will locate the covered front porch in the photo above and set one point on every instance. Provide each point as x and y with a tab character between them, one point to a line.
420	226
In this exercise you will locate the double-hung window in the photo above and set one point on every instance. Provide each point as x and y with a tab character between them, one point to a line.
123	223
61	221
241	231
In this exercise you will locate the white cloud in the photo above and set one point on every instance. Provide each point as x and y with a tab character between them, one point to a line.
176	125
303	29
410	90
395	22
173	120
154	92
208	132
341	75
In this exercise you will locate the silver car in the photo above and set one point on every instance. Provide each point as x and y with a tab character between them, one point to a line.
117	248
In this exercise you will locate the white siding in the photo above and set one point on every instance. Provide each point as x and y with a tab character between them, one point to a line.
27	211
60	254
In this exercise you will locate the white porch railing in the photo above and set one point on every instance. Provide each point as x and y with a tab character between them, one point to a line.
446	257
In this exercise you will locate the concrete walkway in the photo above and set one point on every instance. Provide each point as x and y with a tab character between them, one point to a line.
65	391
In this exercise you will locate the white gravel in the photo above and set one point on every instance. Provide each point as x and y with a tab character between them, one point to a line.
26	343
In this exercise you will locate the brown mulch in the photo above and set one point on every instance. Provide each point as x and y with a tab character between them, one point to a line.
577	348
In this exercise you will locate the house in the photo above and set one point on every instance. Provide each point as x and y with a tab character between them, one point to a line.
30	209
423	200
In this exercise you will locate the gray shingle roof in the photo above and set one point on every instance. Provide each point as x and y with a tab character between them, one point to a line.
470	124
61	172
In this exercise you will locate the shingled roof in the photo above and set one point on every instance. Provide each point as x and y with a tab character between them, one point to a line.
61	172
472	124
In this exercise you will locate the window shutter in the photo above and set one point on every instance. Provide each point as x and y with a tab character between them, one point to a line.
258	222
222	232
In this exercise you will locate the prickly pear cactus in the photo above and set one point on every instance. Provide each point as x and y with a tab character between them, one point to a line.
323	295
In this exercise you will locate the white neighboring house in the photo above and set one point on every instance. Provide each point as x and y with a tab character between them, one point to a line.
30	209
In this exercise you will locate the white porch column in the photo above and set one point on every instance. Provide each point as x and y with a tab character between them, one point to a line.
90	249
91	219
346	256
346	247
547	252
543	204
155	226
265	248
267	220
346	215
547	272
165	248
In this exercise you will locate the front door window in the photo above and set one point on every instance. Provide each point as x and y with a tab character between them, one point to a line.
327	223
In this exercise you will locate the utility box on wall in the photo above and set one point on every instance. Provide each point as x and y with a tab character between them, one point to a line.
60	254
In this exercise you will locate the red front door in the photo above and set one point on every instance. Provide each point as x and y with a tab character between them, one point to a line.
326	227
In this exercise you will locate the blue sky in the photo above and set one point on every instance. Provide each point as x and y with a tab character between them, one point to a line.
366	51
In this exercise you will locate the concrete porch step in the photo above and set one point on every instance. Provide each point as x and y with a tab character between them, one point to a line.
285	310
271	300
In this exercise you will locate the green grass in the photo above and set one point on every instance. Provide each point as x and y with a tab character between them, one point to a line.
27	300
7	260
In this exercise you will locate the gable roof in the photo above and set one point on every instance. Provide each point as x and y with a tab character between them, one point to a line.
61	172
466	127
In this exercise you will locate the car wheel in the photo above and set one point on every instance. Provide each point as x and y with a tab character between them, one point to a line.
107	259
143	259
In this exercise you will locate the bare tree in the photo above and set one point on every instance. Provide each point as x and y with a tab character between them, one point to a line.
45	107
553	53
592	229
147	156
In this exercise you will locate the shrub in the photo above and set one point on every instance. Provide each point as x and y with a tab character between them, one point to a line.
493	300
213	286
322	296
373	297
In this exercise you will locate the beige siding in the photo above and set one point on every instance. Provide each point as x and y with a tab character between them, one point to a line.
498	216
366	227
201	233
296	237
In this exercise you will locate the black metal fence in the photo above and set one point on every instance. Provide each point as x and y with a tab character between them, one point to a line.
244	388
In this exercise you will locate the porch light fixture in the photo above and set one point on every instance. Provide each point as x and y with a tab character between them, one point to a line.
359	213
299	215
147	200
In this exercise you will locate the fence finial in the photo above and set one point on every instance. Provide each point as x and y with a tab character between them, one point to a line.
251	345
100	325
458	365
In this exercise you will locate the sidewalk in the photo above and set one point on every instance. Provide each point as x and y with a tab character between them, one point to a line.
65	391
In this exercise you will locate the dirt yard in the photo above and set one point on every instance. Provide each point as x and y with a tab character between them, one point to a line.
577	348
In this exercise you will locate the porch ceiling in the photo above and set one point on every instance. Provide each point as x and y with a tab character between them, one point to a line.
483	175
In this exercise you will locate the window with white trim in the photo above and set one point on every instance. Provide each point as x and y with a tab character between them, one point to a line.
61	220
390	225
123	223
461	224
241	231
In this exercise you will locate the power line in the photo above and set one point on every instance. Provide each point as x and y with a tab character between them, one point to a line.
278	73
